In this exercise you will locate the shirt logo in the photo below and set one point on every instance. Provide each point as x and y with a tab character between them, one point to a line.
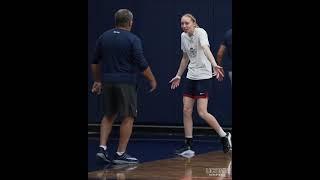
193	52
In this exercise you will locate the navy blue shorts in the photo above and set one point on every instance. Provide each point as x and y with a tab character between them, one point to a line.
197	88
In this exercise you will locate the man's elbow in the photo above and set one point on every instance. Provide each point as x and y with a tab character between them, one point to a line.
143	68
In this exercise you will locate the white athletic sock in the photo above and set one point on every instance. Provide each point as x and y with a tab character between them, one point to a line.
221	132
120	153
104	147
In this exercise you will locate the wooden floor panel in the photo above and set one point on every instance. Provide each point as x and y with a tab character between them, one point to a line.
212	165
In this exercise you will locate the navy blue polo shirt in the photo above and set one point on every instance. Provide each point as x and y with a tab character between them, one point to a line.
121	55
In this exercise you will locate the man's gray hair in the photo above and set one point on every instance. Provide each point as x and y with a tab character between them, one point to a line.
123	17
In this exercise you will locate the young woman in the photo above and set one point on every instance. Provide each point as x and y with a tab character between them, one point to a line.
200	61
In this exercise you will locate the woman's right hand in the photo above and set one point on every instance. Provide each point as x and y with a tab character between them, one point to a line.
175	82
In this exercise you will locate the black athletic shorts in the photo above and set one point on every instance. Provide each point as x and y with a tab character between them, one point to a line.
197	88
120	99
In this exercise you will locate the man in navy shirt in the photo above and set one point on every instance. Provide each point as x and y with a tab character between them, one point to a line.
226	46
117	58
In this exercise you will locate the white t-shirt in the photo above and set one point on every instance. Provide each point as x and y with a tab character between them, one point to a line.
199	66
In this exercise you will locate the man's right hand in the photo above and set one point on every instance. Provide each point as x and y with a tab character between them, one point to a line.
96	88
149	76
153	85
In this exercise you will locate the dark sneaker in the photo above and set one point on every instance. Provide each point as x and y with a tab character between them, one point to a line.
124	159
102	155
185	150
226	143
